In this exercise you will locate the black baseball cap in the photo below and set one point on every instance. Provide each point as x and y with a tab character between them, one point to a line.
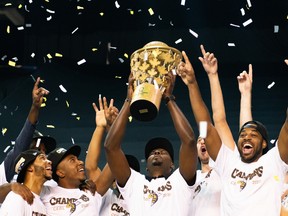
159	142
260	128
48	141
23	160
58	154
133	162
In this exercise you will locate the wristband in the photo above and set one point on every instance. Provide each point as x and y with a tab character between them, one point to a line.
128	100
169	98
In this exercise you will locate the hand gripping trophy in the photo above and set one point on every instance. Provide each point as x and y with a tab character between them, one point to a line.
150	66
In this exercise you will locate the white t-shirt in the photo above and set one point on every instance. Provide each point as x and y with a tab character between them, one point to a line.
63	201
206	200
2	174
160	196
251	188
113	205
15	205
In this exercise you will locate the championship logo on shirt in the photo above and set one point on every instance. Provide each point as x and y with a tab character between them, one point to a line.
154	196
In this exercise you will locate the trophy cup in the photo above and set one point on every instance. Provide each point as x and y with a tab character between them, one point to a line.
150	66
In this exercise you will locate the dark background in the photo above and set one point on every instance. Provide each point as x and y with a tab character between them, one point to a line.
49	27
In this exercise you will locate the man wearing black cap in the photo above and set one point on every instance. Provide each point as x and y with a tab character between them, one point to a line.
252	183
166	191
22	143
33	169
69	173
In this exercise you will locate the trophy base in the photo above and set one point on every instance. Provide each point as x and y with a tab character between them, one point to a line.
145	102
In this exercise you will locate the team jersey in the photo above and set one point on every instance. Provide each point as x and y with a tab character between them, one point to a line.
206	200
251	188
112	205
15	205
160	196
63	201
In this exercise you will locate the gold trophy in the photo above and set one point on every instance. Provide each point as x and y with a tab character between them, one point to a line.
150	66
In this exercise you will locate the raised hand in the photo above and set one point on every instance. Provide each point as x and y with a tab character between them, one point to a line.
209	61
38	93
245	80
185	70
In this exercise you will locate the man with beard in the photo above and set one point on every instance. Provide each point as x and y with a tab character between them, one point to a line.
252	183
33	169
164	191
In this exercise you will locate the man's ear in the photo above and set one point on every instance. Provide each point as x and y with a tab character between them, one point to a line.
60	173
30	168
172	167
264	144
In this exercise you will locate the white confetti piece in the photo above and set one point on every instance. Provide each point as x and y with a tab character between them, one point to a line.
171	23
271	85
80	8
12	142
121	60
50	126
183	2
159	17
126	55
276	28
130	118
8	29
28	25
49	18
20	28
67	104
72	139
247	22
155	84
178	41
73	114
74	30
33	78
242	11
81	62
50	11
62	88
4	57
6	149
231	44
249	3
58	55
117	4
203	129
38	142
234	25
174	72
193	33
49	56
32	55
151	24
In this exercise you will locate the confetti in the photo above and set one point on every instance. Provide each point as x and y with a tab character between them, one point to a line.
58	55
203	129
249	3
78	118
247	22
171	23
6	149
174	72
49	56
276	28
94	49
101	14
49	18
193	33
183	2
4	130
43	105
11	63
117	4
131	12
28	25
20	6
50	126
231	44
73	114
72	139
271	85
38	142
74	30
20	28
126	55
121	60
151	24
50	11
242	11
234	25
159	17
151	12
178	41
118	77
62	88
67	104
8	29
81	62
34	80
32	55
130	118
80	8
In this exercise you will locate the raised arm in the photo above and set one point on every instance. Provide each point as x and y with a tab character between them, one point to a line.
114	154
245	87
94	149
283	140
200	111
24	138
210	65
188	149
